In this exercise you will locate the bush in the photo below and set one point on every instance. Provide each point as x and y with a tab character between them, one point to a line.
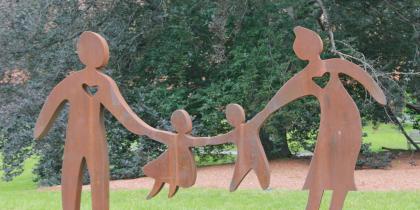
370	159
199	55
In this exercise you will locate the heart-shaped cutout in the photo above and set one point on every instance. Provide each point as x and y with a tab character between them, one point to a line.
91	90
323	80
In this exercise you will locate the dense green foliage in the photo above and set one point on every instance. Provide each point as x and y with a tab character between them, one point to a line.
198	55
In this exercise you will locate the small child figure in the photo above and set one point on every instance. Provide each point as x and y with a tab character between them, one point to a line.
176	166
251	153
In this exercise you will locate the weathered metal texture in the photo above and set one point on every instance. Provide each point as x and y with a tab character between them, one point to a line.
339	138
88	92
332	167
251	155
176	166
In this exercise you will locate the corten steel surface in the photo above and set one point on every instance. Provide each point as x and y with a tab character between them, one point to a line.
251	155
176	166
339	138
85	136
332	167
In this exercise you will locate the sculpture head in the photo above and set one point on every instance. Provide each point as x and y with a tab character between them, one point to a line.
181	121
93	50
235	114
308	45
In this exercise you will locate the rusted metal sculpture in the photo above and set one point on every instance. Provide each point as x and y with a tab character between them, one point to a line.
251	155
340	132
331	168
85	136
176	166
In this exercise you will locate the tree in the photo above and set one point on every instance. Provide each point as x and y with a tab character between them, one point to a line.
196	55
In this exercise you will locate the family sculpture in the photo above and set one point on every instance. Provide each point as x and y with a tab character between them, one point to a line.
331	168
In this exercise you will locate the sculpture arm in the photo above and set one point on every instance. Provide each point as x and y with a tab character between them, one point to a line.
114	102
159	135
49	112
215	140
298	86
358	74
259	118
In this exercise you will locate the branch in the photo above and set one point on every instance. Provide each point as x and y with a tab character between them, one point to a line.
394	119
324	20
153	5
414	107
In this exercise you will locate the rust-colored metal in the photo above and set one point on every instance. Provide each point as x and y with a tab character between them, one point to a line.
85	136
340	133
89	92
251	155
176	166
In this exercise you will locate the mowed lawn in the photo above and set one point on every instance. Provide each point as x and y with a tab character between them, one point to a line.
22	193
386	135
214	199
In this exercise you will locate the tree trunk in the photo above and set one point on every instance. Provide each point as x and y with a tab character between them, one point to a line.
278	148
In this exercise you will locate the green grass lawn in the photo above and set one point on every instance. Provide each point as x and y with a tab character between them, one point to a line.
22	193
386	135
194	198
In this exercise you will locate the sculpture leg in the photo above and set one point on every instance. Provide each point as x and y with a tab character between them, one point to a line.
314	199
337	201
241	170
173	188
71	180
99	179
156	189
263	172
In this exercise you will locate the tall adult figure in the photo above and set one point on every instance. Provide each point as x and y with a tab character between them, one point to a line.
340	132
85	137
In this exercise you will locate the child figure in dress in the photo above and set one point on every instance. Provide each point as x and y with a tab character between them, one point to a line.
176	166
